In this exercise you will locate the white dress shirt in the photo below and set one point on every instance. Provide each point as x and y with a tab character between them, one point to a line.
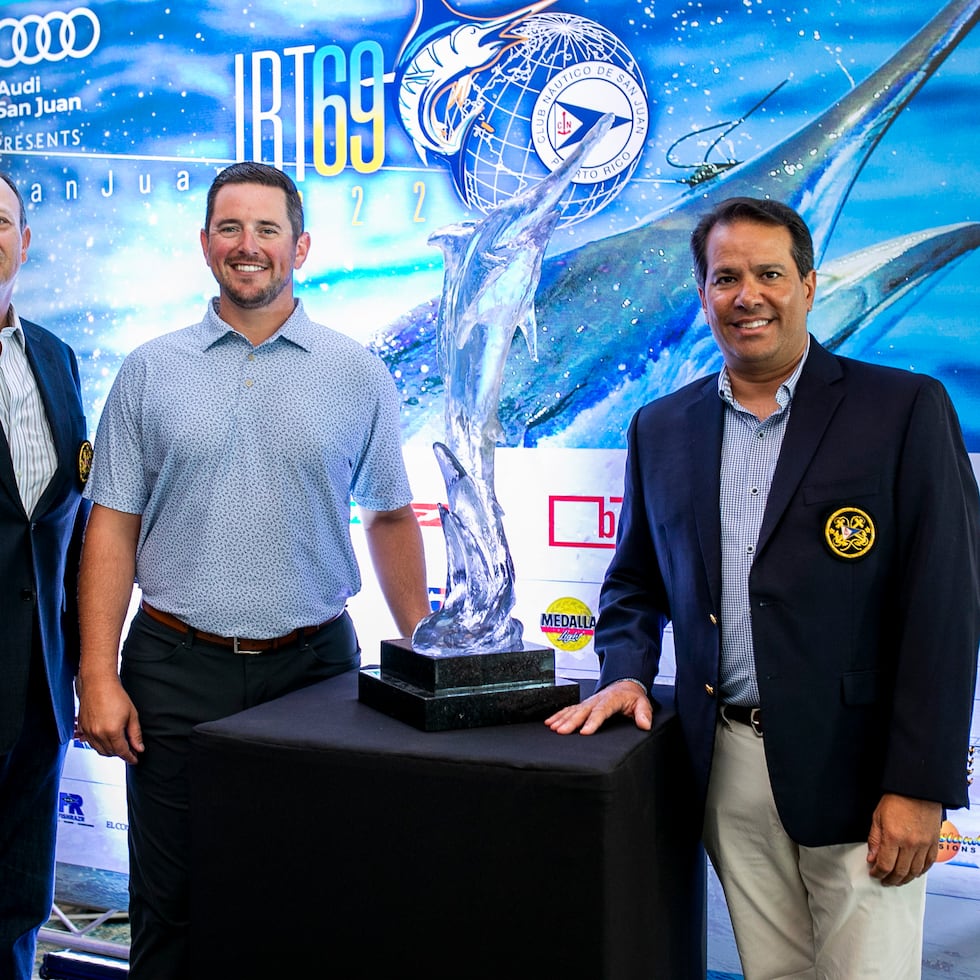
22	415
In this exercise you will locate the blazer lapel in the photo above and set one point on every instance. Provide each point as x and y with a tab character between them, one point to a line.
705	420
59	406
8	479
814	404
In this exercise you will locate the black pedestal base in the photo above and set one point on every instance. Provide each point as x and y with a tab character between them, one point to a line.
438	692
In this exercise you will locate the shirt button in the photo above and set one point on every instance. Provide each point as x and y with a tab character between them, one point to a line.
251	357
750	550
754	491
249	382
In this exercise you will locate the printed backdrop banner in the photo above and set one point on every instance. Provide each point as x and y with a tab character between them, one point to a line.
398	118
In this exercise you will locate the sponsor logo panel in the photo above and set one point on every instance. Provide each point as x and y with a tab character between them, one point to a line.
50	37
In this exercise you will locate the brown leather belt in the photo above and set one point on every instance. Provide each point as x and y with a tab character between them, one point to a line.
744	714
236	643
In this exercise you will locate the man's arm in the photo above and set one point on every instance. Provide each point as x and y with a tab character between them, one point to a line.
937	603
395	545
632	615
106	716
933	608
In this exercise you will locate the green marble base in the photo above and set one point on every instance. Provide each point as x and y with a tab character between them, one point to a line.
439	692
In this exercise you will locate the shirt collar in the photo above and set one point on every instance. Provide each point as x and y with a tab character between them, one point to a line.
784	393
13	329
299	329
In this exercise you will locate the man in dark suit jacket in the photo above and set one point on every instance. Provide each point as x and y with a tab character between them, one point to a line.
44	459
809	526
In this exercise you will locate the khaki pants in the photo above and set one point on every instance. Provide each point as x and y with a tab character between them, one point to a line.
800	912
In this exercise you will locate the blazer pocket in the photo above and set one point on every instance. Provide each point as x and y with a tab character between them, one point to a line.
860	687
842	490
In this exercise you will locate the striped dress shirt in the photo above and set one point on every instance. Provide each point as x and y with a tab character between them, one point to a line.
22	414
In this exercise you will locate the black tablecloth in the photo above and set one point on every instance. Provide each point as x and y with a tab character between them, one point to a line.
330	840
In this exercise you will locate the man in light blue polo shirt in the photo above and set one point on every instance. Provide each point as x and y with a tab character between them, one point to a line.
225	463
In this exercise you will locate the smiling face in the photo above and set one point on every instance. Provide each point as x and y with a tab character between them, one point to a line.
250	249
755	300
13	245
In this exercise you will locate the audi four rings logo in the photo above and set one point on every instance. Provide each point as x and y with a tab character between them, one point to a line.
48	37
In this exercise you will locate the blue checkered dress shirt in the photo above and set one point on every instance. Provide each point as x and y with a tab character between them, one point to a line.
749	452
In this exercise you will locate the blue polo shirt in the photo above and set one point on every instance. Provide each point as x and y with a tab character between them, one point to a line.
243	462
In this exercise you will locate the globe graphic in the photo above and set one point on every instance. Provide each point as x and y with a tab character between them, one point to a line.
529	109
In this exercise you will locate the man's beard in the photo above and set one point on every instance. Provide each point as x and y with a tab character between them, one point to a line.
257	300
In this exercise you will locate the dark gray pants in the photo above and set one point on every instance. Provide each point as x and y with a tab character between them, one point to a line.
176	682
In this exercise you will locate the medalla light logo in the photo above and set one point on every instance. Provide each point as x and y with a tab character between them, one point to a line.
504	102
53	37
568	623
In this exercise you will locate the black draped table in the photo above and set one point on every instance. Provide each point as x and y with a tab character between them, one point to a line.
330	840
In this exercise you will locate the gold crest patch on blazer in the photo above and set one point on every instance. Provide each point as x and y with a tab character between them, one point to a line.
85	454
850	532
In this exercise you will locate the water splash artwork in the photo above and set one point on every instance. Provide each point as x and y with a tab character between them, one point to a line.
492	269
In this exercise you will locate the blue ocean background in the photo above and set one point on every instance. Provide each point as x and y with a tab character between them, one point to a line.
108	271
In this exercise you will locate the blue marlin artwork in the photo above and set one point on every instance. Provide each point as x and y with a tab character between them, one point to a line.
619	319
436	64
864	294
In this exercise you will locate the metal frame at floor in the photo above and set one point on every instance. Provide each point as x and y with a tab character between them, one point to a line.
78	936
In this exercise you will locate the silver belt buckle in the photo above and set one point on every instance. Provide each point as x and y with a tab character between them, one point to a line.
237	649
754	721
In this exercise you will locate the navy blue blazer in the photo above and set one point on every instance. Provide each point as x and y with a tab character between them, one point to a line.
866	666
39	554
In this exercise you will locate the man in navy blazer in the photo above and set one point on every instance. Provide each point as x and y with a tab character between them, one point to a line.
44	459
809	526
